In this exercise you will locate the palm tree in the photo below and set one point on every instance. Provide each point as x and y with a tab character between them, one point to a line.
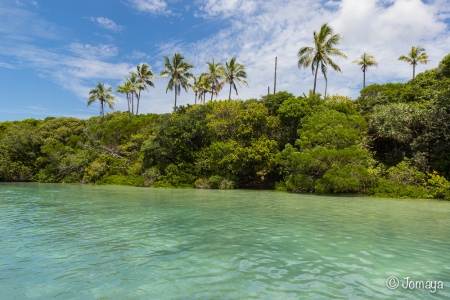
125	89
215	72
365	62
415	56
196	87
144	75
324	43
103	95
235	72
178	70
204	88
136	87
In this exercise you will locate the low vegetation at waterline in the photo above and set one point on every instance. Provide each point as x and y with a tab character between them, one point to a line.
393	141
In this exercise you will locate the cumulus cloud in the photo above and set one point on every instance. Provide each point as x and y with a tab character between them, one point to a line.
106	23
151	6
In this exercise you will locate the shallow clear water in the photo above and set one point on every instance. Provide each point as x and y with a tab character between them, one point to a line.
107	242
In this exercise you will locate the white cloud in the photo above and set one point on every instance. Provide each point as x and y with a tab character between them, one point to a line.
21	24
107	23
151	6
7	65
138	55
75	73
89	51
229	7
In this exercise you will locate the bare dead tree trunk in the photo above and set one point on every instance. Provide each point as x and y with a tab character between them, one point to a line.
275	77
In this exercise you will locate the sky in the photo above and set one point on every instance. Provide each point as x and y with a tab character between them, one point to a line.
53	52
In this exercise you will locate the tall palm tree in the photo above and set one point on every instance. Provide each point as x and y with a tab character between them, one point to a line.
215	72
103	96
178	71
144	75
135	87
415	56
365	62
235	73
125	89
324	47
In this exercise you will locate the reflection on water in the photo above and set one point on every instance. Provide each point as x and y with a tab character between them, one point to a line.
96	242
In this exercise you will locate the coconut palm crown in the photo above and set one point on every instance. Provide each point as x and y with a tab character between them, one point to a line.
365	62
103	96
178	71
319	55
415	56
235	73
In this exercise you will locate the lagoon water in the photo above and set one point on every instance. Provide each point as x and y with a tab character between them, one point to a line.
108	242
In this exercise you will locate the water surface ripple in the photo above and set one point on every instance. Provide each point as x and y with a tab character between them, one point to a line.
95	242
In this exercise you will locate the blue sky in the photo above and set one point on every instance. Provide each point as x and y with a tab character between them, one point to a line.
53	52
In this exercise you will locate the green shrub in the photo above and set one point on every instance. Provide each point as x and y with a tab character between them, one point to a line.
151	176
280	186
226	184
214	181
388	189
439	186
202	183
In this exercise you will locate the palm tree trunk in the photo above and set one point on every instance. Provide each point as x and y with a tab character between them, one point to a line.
132	103
102	111
364	76
128	101
326	85
229	95
414	71
138	98
195	98
175	107
315	78
212	89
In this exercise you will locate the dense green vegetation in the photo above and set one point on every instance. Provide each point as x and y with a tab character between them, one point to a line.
393	141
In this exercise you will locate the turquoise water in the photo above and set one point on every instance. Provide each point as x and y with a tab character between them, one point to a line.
107	242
